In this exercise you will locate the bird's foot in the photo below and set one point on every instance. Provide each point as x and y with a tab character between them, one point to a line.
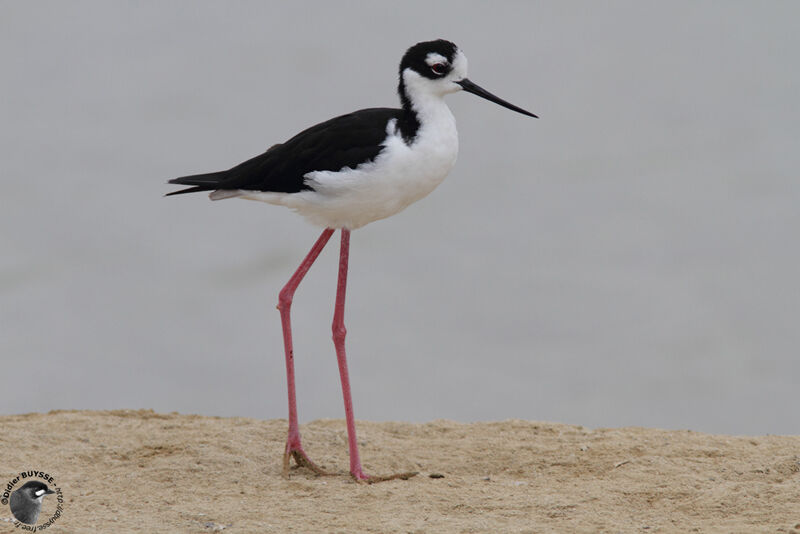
295	450
361	478
302	460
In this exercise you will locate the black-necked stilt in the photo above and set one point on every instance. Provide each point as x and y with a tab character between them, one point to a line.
26	502
350	171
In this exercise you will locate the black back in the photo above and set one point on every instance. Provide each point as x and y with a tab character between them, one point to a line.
344	141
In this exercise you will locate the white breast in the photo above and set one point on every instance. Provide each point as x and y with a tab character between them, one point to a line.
400	175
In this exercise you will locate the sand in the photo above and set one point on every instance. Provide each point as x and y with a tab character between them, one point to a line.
139	471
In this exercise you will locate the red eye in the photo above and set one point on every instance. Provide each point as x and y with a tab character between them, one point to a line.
439	68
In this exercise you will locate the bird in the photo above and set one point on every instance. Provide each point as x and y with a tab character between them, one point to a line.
347	172
26	502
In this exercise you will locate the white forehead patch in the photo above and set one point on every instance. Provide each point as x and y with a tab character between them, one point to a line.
39	492
433	58
460	64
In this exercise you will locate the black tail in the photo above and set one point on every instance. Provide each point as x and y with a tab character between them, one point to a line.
201	182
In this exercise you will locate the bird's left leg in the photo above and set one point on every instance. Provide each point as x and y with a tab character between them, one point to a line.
339	332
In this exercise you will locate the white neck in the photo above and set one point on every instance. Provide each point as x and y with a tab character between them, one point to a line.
428	103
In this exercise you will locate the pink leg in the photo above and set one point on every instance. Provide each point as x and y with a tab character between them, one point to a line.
294	447
293	444
339	333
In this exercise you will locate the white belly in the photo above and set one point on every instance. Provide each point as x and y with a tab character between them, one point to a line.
398	177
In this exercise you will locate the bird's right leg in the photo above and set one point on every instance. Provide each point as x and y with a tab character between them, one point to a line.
293	446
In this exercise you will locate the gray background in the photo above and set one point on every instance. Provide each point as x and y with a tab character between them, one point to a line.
630	258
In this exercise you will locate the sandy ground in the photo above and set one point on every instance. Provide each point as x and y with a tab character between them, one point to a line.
139	471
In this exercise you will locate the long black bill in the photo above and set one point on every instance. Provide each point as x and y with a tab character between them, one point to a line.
470	87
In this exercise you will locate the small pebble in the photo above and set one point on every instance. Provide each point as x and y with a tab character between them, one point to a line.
436	475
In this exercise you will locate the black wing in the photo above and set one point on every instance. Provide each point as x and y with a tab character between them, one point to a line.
344	141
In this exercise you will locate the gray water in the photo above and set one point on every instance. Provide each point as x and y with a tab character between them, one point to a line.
631	258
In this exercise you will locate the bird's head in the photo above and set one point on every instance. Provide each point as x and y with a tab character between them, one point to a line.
35	490
433	67
436	68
